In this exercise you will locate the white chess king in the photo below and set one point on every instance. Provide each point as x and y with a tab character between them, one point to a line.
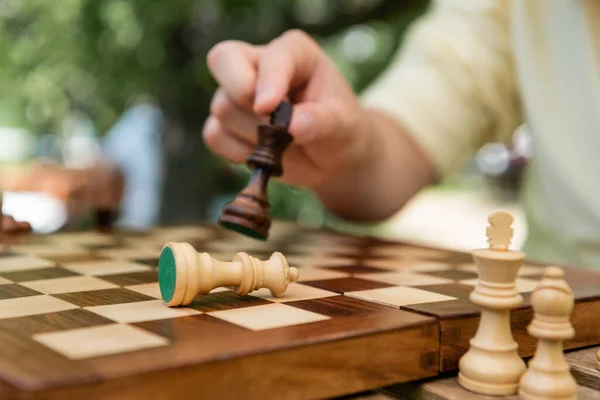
492	365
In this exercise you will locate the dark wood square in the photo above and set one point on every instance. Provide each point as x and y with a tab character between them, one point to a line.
133	278
153	262
224	301
58	321
14	290
103	297
38	274
455	274
355	269
338	306
451	289
343	285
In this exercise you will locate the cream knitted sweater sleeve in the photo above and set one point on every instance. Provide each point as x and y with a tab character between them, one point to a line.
453	84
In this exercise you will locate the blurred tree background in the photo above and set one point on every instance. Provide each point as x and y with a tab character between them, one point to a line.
99	57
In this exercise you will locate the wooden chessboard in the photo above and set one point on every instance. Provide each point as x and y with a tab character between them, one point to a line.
81	315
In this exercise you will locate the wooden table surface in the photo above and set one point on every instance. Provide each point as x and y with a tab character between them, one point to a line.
582	364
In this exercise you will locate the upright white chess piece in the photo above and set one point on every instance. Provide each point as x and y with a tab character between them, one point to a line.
549	376
492	365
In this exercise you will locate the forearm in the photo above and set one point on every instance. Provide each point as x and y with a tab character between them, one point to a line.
392	172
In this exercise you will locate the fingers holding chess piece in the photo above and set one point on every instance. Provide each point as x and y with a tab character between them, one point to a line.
548	376
492	365
248	213
183	273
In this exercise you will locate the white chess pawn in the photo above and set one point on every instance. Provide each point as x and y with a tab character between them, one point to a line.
183	273
549	376
492	365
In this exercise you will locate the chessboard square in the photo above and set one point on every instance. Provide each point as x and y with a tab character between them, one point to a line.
294	292
141	311
82	343
357	269
23	263
454	274
132	278
405	278
103	297
69	285
268	316
331	261
149	289
106	267
14	290
4	281
32	305
384	263
319	274
399	296
343	285
49	250
90	238
131	253
428	266
38	274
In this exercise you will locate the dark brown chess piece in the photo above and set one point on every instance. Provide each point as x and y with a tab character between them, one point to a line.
248	213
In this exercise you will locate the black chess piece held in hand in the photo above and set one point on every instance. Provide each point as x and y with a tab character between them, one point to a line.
248	213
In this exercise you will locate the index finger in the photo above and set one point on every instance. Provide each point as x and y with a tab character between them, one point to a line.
234	66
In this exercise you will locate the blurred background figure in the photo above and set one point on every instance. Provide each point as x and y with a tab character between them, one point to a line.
124	84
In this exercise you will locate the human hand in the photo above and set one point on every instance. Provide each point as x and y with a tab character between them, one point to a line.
330	128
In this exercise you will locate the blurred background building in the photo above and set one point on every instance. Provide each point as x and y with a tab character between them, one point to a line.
126	82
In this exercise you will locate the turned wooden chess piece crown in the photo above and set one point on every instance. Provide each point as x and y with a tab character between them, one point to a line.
248	213
183	273
492	365
549	376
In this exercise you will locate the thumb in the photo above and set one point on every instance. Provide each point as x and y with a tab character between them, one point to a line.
312	121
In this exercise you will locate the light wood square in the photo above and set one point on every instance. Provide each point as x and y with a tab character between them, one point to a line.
181	233
49	250
319	274
32	305
148	289
399	296
385	263
141	311
294	292
69	285
131	253
404	278
77	344
409	252
105	267
23	263
83	238
523	285
268	316
428	266
4	281
328	261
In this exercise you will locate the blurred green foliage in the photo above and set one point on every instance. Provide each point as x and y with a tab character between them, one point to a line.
100	56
